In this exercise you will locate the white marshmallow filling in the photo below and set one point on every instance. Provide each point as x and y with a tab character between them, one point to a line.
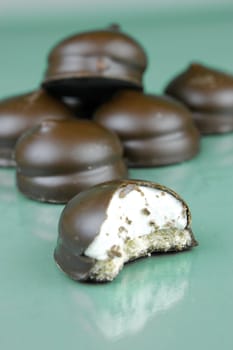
138	222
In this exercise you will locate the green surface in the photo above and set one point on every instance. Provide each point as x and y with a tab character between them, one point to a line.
174	301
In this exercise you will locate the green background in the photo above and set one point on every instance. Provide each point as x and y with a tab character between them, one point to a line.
174	301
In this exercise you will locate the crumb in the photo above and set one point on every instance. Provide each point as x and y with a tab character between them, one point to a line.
114	251
122	229
128	221
140	191
145	211
125	190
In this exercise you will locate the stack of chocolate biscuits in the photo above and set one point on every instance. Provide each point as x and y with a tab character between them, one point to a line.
87	123
96	75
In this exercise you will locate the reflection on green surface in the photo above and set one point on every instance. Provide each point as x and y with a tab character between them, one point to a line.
144	289
215	158
41	219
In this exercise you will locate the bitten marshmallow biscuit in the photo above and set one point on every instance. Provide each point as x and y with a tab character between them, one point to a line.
108	225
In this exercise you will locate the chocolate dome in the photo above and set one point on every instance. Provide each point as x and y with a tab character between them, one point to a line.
208	93
155	130
58	159
89	61
19	113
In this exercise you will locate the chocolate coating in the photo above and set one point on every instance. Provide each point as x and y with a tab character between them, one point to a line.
154	130
88	62
19	113
208	93
58	159
81	221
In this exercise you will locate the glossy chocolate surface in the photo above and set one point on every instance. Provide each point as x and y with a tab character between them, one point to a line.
81	221
87	62
19	113
155	130
58	159
208	93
